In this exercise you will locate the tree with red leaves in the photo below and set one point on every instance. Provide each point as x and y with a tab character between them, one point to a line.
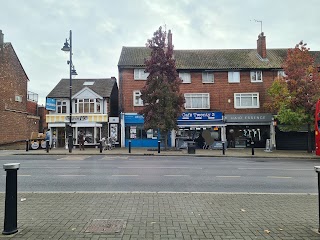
163	102
294	96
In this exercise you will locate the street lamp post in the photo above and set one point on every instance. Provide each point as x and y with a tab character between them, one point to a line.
68	48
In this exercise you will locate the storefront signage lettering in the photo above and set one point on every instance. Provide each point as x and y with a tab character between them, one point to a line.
264	117
77	118
200	116
133	118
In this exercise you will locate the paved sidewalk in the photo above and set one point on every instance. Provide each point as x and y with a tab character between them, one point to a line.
232	152
165	216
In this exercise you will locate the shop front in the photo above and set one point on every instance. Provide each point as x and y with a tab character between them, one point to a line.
91	125
134	132
206	129
242	129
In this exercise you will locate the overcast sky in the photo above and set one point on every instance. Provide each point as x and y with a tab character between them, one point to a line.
38	28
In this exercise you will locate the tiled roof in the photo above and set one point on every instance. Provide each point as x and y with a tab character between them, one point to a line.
219	59
102	86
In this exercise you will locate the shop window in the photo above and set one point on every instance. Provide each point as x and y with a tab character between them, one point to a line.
138	132
88	134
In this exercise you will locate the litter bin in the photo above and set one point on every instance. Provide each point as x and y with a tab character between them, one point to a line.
191	147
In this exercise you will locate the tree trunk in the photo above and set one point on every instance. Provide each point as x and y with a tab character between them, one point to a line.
166	141
309	139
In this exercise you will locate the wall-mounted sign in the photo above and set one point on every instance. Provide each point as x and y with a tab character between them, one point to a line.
133	118
248	118
113	119
51	104
200	116
76	119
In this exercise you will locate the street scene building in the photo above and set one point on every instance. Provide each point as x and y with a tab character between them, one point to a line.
93	102
225	93
18	107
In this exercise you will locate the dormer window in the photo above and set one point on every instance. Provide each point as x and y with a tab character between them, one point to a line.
88	83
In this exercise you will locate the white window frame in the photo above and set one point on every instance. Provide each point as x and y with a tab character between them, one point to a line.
90	101
185	77
281	74
207	77
139	74
233	77
137	101
256	76
205	100
63	103
239	104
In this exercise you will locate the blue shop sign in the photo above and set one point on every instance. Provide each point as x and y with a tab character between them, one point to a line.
51	104
200	116
136	118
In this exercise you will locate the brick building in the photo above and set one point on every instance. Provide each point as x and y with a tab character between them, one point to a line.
224	90
17	114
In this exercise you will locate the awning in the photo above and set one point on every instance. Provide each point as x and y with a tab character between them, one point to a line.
87	124
50	125
194	124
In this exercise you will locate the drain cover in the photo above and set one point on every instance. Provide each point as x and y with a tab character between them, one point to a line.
105	226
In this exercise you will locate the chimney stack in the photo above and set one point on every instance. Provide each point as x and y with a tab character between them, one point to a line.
261	46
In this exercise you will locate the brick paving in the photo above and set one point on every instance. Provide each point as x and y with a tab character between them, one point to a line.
166	216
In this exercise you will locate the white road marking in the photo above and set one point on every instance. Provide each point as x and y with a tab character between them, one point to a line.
52	167
114	157
124	175
78	158
175	175
280	169
228	176
277	177
71	175
159	167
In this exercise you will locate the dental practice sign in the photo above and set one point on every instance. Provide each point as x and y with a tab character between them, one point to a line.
51	104
200	116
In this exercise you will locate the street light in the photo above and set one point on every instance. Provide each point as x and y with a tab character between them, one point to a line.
68	48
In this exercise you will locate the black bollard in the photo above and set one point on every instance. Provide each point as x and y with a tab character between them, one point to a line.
252	148
223	149
27	145
100	146
129	146
317	169
159	146
10	213
47	146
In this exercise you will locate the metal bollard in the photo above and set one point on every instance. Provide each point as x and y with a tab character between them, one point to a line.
47	146
10	213
223	148
317	169
100	146
27	145
129	146
252	148
159	146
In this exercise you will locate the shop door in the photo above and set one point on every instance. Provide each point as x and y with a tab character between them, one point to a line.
61	137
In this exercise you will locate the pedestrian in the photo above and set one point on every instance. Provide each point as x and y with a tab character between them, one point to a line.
81	140
48	137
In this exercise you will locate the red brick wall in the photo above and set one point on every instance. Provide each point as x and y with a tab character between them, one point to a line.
13	115
220	91
32	107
